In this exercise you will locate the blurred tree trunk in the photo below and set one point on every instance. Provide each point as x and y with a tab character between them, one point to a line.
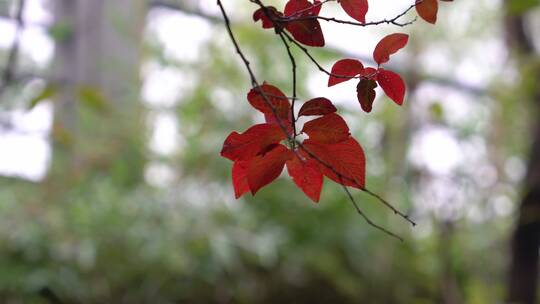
97	128
523	275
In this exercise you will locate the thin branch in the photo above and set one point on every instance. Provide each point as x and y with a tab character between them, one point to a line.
293	66
366	218
393	21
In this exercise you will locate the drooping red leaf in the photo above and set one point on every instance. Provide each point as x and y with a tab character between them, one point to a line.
330	128
305	29
388	46
265	168
427	10
365	91
346	159
307	176
317	106
239	177
392	85
345	67
357	9
267	22
248	144
277	100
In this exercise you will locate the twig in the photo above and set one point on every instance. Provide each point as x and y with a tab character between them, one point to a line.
293	66
370	222
393	21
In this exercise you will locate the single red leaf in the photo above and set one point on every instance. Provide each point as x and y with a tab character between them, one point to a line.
317	106
388	46
307	176
365	91
330	128
297	8
357	9
345	67
427	10
346	159
267	22
248	144
265	168
277	100
392	85
239	177
305	29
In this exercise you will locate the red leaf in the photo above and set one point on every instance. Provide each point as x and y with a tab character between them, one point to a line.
330	128
251	142
357	9
307	176
365	91
388	46
277	99
267	22
263	169
296	8
392	85
345	67
346	159
239	177
317	106
427	10
306	30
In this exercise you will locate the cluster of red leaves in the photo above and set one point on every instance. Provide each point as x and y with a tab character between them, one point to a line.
427	9
300	18
391	83
261	152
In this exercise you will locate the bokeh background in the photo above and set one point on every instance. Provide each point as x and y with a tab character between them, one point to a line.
112	190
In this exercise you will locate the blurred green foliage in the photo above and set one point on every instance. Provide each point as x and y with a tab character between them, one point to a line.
104	235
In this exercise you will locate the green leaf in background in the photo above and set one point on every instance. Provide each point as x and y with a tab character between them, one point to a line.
93	98
518	7
47	92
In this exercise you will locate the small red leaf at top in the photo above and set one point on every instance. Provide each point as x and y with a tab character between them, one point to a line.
357	9
347	68
274	96
297	8
365	91
317	106
330	128
251	142
427	10
261	15
388	46
239	177
307	176
306	30
392	85
263	169
346	160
